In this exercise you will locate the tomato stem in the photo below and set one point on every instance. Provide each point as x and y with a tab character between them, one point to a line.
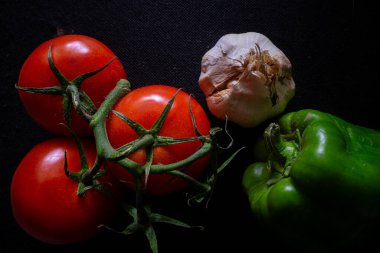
122	87
124	151
201	152
142	216
198	185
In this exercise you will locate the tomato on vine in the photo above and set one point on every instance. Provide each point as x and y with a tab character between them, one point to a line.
157	139
74	57
45	200
144	106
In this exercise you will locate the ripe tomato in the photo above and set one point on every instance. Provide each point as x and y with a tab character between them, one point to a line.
73	55
144	106
45	201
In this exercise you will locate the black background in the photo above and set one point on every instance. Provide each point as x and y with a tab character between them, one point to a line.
332	46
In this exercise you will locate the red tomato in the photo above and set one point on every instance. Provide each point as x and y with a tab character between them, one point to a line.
73	55
144	105
45	201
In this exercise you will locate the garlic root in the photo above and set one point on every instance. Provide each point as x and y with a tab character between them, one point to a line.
247	78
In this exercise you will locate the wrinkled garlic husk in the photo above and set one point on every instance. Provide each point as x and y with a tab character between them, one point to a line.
246	78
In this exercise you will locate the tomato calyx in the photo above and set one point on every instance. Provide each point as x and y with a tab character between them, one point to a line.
87	177
70	90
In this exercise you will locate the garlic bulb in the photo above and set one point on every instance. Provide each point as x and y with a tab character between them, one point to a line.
246	78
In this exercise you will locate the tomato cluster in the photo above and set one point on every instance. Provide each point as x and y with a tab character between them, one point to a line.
55	196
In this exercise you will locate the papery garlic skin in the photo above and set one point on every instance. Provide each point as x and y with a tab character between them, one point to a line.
246	78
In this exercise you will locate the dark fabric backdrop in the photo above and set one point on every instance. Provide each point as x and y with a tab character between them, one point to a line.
332	45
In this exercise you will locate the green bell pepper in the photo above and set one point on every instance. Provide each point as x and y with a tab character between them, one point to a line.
319	180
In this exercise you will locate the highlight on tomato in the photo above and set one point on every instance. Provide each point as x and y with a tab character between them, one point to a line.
144	106
82	61
45	201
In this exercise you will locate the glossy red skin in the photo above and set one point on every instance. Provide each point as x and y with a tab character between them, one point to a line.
144	105
45	202
73	55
